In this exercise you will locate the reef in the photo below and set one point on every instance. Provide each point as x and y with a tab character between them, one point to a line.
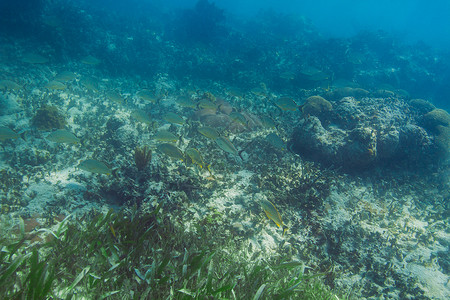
288	165
359	135
48	117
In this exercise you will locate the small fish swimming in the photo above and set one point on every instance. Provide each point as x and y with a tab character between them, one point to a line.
95	166
259	91
209	132
195	156
141	116
313	74
171	151
55	85
286	104
90	84
235	92
185	101
65	76
272	213
114	97
7	133
268	122
9	85
173	118
147	95
288	75
166	136
33	58
63	136
206	104
90	60
226	145
238	118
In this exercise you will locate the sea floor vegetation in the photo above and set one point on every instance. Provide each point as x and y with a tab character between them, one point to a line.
130	255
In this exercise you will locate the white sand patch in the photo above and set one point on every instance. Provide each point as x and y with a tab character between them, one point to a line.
41	194
235	197
434	282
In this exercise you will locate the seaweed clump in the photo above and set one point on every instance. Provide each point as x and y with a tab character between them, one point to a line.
142	156
48	117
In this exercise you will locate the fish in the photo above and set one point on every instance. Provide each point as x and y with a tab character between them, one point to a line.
271	212
185	101
7	133
276	141
33	58
173	118
95	166
235	92
226	145
313	74
288	75
195	156
268	122
141	116
206	104
209	132
65	76
171	151
114	97
90	60
9	85
147	95
259	91
286	104
166	136
63	136
55	85
238	118
89	83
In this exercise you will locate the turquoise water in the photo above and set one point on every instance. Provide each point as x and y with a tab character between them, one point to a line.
254	142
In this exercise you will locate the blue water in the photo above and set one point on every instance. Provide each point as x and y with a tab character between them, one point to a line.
252	70
411	37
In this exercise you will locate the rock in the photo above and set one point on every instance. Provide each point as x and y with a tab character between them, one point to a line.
348	113
436	117
373	132
360	150
312	140
342	92
316	106
421	106
442	141
388	144
415	143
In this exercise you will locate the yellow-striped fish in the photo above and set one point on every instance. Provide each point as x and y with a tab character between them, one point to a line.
272	213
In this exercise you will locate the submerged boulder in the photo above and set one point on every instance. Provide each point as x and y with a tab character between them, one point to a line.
435	118
376	132
316	105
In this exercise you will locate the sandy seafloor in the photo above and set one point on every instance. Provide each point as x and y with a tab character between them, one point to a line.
384	234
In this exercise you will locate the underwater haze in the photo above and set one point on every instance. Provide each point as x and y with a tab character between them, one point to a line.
411	21
201	149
